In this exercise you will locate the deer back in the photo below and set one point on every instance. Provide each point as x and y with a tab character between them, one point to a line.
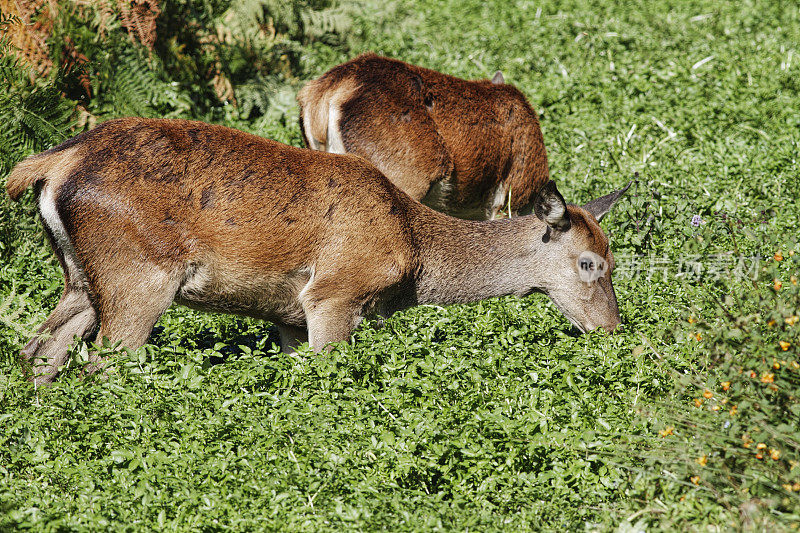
462	147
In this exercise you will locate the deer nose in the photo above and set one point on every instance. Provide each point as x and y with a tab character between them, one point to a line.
610	327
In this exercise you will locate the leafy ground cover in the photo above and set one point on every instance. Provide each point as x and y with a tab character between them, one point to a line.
491	416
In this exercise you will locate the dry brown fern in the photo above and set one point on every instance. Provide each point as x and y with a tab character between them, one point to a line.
29	35
139	18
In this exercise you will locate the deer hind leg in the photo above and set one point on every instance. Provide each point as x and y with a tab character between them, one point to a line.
130	305
47	350
74	315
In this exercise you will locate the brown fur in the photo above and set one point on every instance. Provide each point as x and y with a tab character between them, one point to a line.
317	125
445	141
159	210
37	168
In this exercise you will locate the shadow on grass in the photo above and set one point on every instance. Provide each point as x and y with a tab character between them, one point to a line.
208	339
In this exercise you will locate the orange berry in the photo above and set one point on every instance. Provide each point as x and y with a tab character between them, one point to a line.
776	284
697	336
708	394
702	460
793	279
760	446
796	486
667	431
787	487
733	410
726	385
785	345
771	323
768	377
716	408
759	456
778	256
692	320
698	402
753	374
776	365
695	480
774	454
791	320
795	365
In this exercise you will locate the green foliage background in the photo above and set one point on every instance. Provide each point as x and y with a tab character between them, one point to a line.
490	416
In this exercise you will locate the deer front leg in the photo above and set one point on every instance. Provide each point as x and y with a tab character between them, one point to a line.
291	337
330	320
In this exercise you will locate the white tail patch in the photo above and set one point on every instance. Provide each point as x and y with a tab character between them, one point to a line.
314	143
51	218
321	109
335	142
498	202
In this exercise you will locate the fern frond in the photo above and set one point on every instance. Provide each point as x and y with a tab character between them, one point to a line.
139	18
11	308
317	23
35	120
27	40
134	89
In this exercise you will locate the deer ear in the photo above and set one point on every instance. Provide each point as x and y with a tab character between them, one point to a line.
551	208
603	205
498	78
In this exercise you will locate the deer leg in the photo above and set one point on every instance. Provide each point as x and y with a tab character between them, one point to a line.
291	337
129	309
47	350
330	320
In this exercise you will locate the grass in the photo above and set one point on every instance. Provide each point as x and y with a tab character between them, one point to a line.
489	416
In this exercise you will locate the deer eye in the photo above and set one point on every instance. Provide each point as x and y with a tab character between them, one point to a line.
590	266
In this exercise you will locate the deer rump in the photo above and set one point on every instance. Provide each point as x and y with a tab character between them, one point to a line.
471	149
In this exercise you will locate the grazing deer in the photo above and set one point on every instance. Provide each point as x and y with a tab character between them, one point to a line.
471	149
144	212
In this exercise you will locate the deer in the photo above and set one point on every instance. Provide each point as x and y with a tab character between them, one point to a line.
471	149
142	213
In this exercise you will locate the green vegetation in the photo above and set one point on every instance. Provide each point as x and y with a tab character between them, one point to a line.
491	416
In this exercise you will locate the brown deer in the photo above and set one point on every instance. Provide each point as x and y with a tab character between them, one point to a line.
471	149
144	212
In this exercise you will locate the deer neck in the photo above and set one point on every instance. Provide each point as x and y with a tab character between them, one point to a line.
465	261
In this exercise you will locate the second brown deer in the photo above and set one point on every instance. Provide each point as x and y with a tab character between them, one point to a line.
471	149
143	212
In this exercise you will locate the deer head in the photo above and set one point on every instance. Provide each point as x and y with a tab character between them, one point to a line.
578	260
